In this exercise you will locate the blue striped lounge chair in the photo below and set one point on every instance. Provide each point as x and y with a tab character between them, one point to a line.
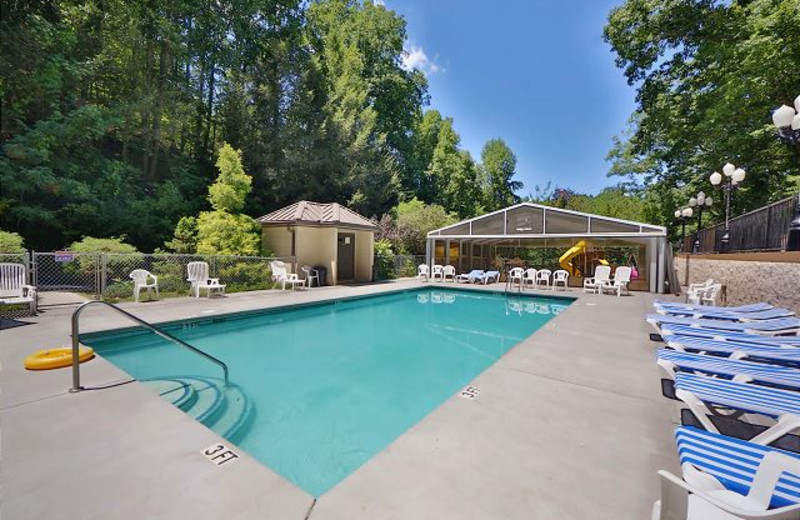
702	393
727	335
752	307
767	327
789	356
721	314
673	362
729	479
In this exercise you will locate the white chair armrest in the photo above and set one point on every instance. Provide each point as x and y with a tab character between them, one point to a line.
213	281
675	501
154	277
28	289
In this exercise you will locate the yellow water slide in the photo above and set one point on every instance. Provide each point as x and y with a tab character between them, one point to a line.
566	259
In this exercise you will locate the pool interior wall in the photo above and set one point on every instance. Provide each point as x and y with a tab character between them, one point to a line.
316	390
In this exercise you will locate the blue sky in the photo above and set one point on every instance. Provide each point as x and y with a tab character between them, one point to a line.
534	73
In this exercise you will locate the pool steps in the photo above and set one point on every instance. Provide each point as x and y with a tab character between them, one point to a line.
227	411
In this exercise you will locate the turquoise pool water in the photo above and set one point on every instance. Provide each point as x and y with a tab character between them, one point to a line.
317	391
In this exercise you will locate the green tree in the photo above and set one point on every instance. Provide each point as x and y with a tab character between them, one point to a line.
499	166
184	240
223	231
707	73
414	220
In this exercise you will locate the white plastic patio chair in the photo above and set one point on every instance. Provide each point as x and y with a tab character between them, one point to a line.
199	280
143	280
694	288
543	278
311	275
14	289
423	272
529	278
516	275
561	277
438	272
706	296
622	277
449	272
281	275
601	275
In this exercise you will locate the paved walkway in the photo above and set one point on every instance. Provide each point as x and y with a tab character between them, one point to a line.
570	424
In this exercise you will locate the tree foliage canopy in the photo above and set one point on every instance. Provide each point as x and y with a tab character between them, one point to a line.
113	113
708	74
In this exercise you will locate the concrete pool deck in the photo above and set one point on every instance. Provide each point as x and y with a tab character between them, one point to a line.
570	424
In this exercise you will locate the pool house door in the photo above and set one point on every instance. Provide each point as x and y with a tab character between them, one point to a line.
346	255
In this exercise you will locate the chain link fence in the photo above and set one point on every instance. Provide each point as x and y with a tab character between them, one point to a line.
67	278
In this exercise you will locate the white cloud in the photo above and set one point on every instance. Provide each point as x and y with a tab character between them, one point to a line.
415	58
379	2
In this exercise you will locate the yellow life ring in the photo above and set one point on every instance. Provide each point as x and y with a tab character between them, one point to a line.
56	358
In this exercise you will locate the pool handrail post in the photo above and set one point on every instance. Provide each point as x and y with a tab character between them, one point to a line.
76	375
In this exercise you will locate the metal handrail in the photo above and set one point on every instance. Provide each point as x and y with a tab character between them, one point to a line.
76	371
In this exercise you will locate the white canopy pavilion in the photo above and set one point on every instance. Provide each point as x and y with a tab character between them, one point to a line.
491	241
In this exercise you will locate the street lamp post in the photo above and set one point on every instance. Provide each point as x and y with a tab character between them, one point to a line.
701	202
733	176
683	215
787	121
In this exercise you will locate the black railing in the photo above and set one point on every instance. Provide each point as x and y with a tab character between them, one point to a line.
763	229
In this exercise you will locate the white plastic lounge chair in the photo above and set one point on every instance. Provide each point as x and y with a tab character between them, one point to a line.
751	307
438	272
199	280
543	278
490	277
529	278
601	275
561	277
449	272
779	355
622	277
14	289
702	394
729	479
473	276
726	335
312	275
281	275
673	362
714	313
423	272
515	276
767	327
143	280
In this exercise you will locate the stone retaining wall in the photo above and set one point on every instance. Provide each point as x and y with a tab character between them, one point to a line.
746	281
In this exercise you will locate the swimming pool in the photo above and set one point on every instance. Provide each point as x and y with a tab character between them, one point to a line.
317	390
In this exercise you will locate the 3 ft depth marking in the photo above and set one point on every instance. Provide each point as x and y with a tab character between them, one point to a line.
220	454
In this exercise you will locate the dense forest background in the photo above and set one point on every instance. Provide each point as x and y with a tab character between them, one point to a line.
114	112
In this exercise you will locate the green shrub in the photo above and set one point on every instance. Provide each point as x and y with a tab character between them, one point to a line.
118	267
384	260
245	276
11	242
118	291
408	269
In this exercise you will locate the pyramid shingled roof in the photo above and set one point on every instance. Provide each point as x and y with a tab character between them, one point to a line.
318	213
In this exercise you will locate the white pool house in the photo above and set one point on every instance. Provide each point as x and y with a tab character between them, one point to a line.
542	237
